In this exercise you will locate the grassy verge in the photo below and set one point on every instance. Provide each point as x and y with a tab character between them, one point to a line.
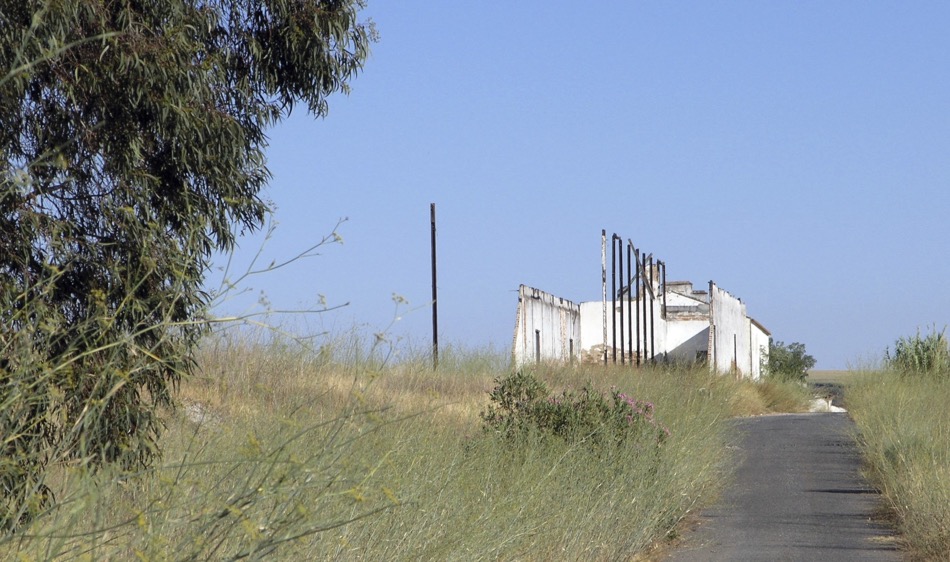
769	396
904	426
281	453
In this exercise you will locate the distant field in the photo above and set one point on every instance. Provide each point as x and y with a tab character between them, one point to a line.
836	377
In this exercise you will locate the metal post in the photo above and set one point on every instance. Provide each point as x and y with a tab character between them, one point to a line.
636	281
663	293
435	297
652	306
623	355
644	280
630	299
613	297
603	274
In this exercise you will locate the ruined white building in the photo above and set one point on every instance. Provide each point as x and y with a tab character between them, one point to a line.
662	322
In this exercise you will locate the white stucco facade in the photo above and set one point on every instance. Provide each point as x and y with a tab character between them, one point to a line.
592	329
676	323
730	333
548	329
642	319
759	347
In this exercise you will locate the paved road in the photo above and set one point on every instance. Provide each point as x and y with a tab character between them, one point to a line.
797	495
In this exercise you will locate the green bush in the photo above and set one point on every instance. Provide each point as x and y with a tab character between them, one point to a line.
521	406
788	362
921	355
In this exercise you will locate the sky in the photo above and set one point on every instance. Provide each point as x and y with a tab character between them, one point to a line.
796	153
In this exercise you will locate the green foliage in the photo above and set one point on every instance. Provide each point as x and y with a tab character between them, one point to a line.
133	137
512	402
921	355
520	407
788	362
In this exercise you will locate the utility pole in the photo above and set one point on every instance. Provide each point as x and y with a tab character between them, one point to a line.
435	297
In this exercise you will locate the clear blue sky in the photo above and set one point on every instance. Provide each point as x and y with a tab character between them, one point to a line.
796	153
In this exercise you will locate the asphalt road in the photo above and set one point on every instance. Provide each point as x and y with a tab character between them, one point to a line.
797	495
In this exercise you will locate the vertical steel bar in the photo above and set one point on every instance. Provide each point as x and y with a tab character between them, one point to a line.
623	355
662	288
613	297
652	306
435	296
644	280
663	280
630	299
636	284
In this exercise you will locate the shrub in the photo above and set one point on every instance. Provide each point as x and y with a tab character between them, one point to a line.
788	362
520	406
921	355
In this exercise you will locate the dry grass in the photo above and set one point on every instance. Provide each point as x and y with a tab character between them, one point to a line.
247	379
287	453
767	397
904	433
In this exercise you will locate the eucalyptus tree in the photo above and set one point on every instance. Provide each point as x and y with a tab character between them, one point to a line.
133	136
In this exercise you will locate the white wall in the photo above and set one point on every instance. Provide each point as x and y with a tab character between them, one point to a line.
730	327
592	330
674	338
718	330
546	324
759	348
688	340
687	326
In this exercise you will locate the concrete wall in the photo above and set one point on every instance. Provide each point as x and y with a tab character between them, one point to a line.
592	330
759	348
695	326
683	336
687	325
547	329
730	349
688	340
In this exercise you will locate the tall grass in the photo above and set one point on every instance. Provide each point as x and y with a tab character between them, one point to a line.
283	452
927	355
904	426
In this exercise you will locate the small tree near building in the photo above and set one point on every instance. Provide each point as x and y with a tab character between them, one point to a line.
788	362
